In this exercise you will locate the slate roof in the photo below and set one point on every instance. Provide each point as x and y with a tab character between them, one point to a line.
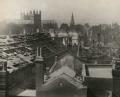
63	69
68	60
51	83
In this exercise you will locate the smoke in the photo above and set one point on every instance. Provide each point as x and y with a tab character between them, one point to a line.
91	11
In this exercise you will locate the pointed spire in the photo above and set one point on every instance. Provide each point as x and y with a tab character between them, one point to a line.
72	22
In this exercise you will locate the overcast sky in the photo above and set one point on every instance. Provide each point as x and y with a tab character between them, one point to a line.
91	11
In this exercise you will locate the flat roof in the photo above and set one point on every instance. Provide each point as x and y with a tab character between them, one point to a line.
100	71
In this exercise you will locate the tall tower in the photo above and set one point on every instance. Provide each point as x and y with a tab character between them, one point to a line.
39	72
116	80
37	21
72	22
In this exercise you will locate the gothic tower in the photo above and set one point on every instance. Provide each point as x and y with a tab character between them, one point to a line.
37	21
35	17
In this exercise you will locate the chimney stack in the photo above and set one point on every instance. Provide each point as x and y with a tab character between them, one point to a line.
3	80
39	71
116	79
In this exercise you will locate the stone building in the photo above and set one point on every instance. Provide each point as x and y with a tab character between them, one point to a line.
29	22
64	79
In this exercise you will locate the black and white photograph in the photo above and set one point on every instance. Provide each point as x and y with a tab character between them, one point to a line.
59	48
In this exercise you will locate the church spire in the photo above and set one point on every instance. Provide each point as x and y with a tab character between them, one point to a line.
72	20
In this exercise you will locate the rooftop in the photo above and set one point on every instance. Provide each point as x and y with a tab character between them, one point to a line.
99	70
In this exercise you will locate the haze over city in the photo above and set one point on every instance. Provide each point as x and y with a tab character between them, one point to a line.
91	11
59	48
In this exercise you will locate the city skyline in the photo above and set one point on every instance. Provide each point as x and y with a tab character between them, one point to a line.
85	11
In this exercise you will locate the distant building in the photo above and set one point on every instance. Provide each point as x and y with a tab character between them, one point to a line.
29	22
